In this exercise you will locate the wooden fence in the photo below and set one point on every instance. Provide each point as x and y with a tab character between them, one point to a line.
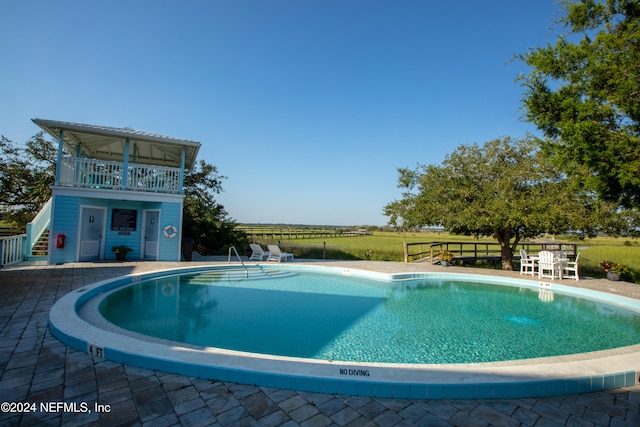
282	233
474	251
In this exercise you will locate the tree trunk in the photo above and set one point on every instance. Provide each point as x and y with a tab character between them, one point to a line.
507	256
506	252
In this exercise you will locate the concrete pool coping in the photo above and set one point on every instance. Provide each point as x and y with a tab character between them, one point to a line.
529	378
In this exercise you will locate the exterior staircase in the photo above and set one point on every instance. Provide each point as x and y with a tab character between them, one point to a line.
41	247
31	244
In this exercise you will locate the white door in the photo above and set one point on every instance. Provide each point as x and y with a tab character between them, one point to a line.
92	226
150	234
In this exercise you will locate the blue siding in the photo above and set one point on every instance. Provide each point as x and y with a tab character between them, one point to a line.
128	238
66	214
170	214
64	220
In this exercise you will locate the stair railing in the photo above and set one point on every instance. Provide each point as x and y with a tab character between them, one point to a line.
38	226
233	248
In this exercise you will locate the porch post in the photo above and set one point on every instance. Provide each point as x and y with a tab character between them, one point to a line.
125	164
59	156
77	172
182	162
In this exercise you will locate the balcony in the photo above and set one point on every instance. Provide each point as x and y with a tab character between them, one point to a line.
109	175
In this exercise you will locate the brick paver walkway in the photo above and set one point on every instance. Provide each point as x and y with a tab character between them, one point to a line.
37	369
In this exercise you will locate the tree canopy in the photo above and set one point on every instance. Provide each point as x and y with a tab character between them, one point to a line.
206	220
583	92
504	189
26	175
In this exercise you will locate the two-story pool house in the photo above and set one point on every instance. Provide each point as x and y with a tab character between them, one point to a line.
114	186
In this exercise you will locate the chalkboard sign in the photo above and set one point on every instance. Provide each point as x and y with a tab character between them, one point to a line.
124	220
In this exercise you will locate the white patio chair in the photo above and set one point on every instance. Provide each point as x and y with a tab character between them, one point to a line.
527	264
571	267
560	254
277	255
549	266
257	253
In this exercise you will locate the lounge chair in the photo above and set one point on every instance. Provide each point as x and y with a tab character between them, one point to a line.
277	255
527	264
257	253
569	267
549	265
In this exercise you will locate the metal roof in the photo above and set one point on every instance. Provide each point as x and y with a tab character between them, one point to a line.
107	143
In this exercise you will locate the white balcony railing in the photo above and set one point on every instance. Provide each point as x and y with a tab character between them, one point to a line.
92	173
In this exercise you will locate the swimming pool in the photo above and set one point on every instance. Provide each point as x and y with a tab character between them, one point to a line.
334	317
331	363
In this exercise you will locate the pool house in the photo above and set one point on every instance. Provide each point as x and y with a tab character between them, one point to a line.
113	187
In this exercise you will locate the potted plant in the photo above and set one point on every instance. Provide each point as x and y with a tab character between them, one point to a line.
446	256
121	251
614	270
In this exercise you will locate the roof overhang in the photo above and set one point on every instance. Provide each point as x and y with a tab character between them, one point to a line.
108	143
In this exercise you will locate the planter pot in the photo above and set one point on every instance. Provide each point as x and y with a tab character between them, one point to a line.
613	276
121	256
444	263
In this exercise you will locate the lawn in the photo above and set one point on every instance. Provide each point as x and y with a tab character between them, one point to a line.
388	246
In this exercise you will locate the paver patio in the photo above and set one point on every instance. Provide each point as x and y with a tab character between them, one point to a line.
38	369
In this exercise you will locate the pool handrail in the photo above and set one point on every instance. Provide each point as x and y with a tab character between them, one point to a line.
246	270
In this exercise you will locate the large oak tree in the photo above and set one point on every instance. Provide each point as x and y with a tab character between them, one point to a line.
504	189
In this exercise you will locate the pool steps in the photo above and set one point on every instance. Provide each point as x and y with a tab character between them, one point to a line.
238	275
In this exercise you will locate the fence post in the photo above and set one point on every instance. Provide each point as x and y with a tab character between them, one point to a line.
406	252
324	250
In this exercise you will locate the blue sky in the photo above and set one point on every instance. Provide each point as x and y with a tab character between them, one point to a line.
307	106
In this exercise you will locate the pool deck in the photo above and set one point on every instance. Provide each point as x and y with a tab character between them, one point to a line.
38	369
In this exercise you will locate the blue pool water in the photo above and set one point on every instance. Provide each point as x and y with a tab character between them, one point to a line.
332	317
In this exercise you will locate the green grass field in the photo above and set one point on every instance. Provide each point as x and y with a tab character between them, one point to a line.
388	246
